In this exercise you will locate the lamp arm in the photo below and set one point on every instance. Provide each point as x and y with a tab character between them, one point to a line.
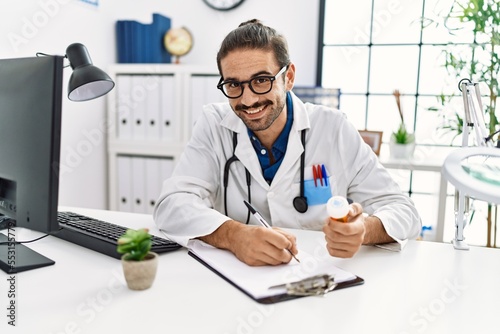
473	113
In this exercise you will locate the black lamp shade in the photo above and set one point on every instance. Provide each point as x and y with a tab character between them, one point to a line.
87	82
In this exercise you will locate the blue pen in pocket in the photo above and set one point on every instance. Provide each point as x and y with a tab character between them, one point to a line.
318	190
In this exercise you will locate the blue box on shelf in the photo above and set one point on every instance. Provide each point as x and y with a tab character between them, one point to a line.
142	43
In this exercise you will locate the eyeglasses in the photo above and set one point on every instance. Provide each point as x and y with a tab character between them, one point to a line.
259	85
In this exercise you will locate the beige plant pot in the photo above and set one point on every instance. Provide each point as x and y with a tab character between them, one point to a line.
140	275
401	151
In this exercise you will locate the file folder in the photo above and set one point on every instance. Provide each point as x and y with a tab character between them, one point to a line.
139	197
153	107
124	107
142	43
153	181
272	284
139	96
124	171
169	99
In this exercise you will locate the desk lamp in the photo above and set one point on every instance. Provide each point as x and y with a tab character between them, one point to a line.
474	171
87	82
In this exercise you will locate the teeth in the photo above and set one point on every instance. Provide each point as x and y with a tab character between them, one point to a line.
254	111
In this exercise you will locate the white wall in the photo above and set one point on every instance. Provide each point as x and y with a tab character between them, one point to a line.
49	26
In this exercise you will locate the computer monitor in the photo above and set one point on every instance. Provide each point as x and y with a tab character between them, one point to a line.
30	134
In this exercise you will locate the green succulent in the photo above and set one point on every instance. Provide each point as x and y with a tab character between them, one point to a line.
134	244
402	136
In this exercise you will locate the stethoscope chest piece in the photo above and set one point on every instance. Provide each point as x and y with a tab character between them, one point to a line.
300	204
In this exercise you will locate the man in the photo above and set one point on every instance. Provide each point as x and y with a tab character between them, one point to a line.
269	148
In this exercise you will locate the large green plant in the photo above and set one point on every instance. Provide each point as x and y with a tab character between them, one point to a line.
478	62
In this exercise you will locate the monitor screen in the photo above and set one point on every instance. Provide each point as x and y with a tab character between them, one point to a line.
30	133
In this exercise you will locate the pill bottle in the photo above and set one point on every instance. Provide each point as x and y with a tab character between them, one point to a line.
338	208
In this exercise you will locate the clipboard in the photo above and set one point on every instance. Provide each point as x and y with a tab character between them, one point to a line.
272	284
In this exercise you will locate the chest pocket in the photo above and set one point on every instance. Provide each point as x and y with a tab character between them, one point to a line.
317	192
317	185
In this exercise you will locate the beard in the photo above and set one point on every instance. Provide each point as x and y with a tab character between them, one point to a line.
273	110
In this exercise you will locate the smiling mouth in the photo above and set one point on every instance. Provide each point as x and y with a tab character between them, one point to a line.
255	110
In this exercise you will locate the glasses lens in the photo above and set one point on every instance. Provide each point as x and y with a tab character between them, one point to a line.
232	89
261	85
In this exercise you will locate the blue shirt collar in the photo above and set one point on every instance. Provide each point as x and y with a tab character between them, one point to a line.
279	146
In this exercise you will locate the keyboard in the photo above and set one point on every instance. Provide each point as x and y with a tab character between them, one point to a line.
101	236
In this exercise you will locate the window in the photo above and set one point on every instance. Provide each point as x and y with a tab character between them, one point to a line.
372	47
368	49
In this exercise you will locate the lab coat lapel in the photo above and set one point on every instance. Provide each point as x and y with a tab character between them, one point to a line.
294	147
246	153
293	151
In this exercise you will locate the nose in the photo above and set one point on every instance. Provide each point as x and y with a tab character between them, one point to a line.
248	97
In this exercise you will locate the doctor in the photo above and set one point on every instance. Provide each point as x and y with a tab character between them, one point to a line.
267	147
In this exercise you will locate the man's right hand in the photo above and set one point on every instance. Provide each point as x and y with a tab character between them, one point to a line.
254	245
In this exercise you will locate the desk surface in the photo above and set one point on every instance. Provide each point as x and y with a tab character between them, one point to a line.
425	158
427	288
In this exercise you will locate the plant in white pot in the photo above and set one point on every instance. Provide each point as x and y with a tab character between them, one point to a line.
402	142
139	263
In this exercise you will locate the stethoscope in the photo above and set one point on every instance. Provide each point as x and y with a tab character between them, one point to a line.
299	202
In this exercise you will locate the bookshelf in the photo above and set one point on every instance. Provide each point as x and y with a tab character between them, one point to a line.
150	114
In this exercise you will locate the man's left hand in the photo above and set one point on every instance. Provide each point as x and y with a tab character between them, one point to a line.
345	239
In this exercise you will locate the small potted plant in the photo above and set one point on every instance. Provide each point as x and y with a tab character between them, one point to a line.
402	143
139	263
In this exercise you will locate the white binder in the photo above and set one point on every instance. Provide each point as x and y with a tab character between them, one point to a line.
153	107
124	171
124	107
169	123
138	185
153	182
139	97
198	97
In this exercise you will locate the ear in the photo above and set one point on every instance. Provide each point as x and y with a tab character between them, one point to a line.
290	77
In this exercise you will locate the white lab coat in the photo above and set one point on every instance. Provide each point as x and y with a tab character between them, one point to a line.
192	202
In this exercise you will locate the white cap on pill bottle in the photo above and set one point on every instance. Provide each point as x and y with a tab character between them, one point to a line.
337	207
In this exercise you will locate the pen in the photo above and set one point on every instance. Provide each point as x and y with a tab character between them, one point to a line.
263	222
323	173
319	173
315	176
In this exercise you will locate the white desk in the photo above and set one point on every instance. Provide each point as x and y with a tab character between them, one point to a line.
427	288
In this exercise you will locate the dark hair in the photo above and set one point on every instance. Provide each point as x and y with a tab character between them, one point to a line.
253	34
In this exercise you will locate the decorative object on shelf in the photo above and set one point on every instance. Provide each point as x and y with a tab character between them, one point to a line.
373	139
223	5
139	263
142	43
178	42
402	142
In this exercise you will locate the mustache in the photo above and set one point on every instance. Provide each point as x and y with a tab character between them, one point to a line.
240	107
